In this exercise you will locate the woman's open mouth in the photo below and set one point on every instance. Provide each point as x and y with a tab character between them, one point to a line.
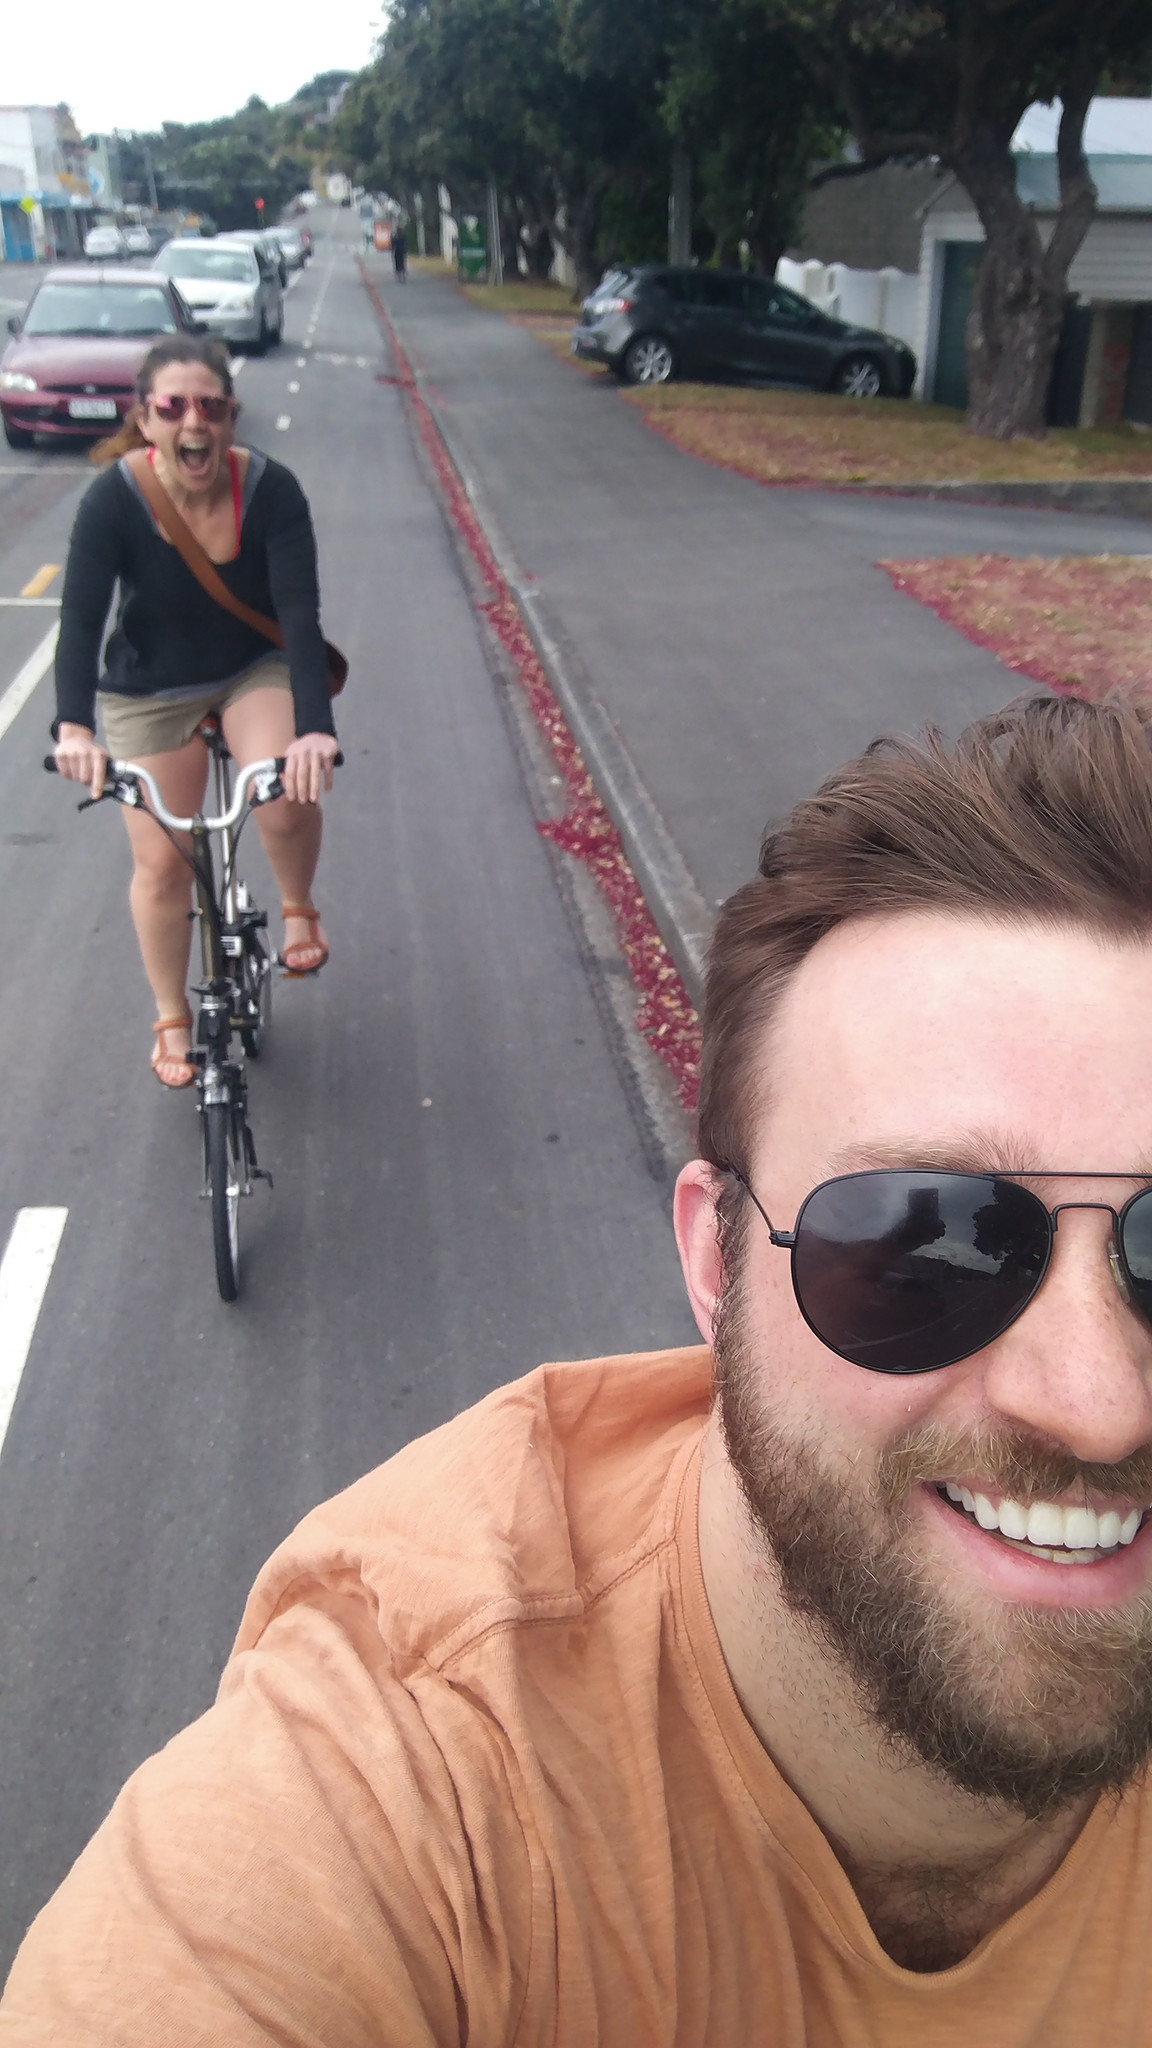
195	458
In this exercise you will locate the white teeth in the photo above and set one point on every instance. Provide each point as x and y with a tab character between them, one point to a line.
1070	1535
1013	1520
1046	1524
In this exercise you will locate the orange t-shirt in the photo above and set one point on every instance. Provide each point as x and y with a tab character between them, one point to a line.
477	1774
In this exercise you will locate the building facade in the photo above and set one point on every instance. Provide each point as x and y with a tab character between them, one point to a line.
46	200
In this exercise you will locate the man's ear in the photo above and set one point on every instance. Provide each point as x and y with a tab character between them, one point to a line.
698	1240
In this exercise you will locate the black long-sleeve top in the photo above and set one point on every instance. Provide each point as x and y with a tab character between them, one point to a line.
169	635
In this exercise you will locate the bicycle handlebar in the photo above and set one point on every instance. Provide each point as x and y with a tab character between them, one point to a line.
125	777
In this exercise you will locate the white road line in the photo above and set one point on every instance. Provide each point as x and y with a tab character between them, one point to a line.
24	1275
236	364
26	601
22	685
301	362
284	422
294	387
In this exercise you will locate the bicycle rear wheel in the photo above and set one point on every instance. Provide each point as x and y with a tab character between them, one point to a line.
224	1175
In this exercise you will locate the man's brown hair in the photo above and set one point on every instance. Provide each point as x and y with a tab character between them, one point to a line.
1042	812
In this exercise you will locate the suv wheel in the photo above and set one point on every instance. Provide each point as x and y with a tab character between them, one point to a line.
649	360
859	377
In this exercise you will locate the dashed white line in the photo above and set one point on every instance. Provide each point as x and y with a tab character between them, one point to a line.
236	364
284	422
24	1275
294	387
301	362
22	685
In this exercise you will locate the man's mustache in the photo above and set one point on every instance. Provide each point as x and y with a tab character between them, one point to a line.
1012	1462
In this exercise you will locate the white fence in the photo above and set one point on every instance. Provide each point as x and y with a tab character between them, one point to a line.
883	299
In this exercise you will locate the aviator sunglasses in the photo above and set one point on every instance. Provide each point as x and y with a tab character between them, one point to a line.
906	1271
173	406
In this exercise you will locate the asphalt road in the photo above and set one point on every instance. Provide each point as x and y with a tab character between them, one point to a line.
464	1180
742	641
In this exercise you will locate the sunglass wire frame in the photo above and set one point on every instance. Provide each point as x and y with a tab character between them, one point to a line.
1136	1292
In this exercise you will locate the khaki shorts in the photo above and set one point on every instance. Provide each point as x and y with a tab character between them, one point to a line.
135	727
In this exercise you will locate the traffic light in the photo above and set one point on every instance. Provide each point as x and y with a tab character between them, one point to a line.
259	206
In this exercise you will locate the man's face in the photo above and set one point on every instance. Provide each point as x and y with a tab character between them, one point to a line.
921	1040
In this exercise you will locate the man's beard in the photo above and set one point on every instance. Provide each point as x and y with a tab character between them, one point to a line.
1029	1706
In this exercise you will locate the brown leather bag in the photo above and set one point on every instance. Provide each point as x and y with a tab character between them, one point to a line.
204	570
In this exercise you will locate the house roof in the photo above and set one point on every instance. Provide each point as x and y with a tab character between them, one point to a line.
1113	128
1123	183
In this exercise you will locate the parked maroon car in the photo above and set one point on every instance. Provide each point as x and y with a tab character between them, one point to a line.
71	365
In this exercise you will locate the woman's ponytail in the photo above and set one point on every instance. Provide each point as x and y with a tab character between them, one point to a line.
126	438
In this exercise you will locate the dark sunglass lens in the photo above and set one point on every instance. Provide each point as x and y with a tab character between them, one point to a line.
906	1272
171	408
1136	1249
213	409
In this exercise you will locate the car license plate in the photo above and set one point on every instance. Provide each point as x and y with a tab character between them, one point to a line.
92	408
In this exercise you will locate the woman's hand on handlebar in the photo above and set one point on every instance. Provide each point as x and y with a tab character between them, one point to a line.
308	766
81	758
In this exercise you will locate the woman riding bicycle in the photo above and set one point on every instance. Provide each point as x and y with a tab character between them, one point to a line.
175	654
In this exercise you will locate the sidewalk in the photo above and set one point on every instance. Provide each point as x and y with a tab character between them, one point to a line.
723	645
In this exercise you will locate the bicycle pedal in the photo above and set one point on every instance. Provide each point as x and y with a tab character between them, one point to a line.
260	1173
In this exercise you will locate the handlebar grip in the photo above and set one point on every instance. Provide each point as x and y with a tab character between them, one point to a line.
50	767
337	761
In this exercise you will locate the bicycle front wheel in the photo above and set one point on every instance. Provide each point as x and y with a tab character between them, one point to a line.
256	993
223	1174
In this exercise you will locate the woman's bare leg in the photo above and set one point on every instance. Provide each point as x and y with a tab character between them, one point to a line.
161	892
260	724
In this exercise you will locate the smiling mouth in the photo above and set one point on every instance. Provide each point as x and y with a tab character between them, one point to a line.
1045	1530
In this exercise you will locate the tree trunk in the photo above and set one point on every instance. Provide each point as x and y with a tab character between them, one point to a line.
1015	322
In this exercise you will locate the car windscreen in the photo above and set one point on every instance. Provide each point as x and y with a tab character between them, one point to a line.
98	308
228	266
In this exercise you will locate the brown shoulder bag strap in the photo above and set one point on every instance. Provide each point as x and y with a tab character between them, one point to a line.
188	547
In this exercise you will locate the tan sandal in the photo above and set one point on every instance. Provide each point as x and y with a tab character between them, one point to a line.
292	967
160	1058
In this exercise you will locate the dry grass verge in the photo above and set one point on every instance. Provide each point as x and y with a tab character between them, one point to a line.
1081	624
808	437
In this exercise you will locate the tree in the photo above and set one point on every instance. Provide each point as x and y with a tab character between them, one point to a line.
754	121
950	79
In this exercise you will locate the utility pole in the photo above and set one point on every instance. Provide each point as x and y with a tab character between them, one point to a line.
151	177
680	207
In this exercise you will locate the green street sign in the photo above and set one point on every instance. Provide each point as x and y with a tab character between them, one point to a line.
471	250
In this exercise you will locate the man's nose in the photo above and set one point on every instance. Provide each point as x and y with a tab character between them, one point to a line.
1077	1365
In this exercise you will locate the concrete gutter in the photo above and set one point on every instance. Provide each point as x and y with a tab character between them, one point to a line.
1121	497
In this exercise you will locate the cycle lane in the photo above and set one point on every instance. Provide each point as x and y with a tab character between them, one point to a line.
461	1187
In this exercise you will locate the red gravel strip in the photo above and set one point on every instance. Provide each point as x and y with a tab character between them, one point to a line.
665	1015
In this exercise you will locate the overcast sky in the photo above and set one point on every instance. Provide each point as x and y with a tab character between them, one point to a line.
138	64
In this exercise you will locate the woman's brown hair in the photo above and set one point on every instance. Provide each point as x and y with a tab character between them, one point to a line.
1040	814
176	348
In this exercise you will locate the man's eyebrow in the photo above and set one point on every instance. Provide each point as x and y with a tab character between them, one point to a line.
986	1151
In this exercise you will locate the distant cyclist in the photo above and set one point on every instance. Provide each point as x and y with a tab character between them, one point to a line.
400	253
174	655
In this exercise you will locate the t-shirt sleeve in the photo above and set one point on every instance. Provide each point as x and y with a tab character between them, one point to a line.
294	582
95	556
298	1867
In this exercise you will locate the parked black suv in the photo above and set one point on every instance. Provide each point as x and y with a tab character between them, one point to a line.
655	321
